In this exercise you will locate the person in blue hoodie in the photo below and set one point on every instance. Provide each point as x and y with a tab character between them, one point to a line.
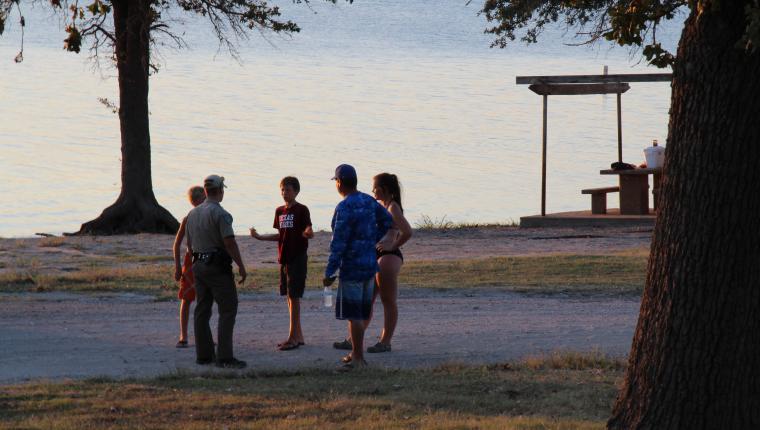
358	223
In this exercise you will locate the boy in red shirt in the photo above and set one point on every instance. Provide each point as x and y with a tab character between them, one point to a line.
293	223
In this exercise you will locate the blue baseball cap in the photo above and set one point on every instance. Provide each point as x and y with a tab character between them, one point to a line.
344	171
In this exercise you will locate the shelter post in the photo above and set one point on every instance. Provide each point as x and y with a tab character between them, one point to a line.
620	129
543	164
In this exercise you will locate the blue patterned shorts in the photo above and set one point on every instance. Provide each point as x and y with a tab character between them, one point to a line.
354	300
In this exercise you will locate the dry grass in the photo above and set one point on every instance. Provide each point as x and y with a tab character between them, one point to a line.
152	279
507	396
570	360
612	274
52	241
60	242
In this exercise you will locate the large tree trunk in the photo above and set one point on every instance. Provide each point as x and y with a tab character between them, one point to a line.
695	360
136	209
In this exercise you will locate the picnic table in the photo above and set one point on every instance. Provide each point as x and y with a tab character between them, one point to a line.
634	189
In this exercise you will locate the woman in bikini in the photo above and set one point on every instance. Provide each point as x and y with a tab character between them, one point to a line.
387	191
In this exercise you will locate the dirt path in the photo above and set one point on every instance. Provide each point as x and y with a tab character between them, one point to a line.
56	335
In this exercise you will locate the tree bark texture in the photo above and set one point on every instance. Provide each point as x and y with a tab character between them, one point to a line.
695	359
136	209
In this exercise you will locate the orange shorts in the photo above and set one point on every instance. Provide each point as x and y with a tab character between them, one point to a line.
186	287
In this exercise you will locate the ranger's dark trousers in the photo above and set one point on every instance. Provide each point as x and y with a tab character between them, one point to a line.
214	283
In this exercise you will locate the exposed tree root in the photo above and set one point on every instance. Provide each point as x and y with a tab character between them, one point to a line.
131	215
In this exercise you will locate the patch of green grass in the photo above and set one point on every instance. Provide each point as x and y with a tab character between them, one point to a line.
534	274
506	396
586	274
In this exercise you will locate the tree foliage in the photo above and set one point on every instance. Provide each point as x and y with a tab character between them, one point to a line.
628	23
90	21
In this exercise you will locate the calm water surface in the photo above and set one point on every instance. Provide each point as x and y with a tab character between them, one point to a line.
409	87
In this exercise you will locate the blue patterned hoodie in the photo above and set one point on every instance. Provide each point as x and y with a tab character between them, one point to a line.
359	222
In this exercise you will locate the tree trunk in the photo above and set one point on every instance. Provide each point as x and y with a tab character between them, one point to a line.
696	350
136	209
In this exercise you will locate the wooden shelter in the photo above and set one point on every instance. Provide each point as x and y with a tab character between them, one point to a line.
570	85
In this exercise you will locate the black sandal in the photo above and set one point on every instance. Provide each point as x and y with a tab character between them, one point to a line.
379	347
344	344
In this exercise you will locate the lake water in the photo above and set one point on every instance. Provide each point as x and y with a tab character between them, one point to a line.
405	86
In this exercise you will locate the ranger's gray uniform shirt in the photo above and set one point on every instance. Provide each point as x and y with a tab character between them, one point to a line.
207	226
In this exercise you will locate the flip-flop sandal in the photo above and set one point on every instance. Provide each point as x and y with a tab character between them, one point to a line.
283	343
288	346
348	367
181	344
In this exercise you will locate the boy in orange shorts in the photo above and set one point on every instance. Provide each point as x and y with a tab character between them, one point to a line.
184	273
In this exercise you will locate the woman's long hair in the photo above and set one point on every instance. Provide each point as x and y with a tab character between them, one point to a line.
389	183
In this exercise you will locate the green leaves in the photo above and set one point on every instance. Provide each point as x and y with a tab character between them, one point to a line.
657	56
624	22
231	20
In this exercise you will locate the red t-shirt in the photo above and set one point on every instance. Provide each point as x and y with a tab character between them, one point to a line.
291	222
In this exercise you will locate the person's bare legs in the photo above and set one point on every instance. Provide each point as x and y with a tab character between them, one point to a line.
184	316
375	293
387	285
296	334
357	342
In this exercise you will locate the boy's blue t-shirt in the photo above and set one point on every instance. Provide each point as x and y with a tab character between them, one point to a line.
358	223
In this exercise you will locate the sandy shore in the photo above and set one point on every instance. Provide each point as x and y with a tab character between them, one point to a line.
58	254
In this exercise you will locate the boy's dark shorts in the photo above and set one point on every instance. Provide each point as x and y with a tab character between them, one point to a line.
293	277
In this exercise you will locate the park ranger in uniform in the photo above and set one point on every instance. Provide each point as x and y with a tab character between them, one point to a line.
212	241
